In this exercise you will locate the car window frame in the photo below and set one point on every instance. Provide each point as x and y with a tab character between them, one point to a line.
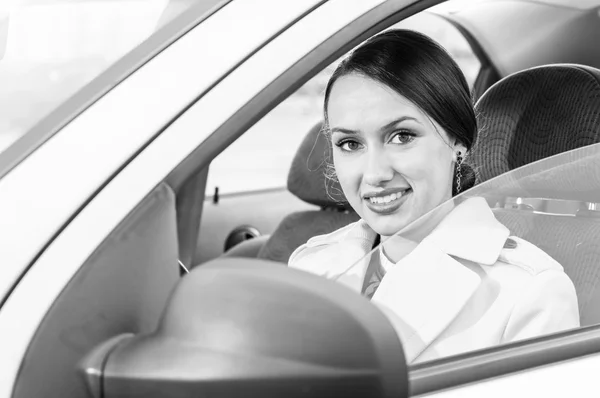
502	360
452	371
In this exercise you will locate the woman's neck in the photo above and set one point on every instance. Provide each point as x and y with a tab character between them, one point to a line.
399	245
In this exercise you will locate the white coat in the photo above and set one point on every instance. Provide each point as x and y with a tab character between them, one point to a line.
460	289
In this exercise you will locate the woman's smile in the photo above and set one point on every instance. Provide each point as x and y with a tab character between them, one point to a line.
388	201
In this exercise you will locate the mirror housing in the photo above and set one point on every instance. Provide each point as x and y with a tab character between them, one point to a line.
251	328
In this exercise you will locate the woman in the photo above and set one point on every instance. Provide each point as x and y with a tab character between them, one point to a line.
400	119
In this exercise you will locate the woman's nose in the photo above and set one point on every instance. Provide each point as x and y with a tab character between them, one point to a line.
378	169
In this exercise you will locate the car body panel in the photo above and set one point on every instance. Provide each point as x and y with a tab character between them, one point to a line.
573	378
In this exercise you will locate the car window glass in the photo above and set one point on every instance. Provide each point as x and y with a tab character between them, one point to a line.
51	49
261	157
546	219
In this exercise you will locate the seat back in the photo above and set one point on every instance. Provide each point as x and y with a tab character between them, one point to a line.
307	180
572	241
533	115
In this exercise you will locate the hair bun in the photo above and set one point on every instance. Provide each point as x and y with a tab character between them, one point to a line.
467	179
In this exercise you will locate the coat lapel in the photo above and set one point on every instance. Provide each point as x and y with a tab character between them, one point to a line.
423	293
471	232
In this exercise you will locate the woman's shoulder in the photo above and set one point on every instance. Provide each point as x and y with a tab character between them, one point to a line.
543	298
527	257
357	233
332	237
522	266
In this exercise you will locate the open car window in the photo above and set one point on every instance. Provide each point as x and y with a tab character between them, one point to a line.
552	204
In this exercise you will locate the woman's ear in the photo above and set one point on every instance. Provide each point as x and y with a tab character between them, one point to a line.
459	148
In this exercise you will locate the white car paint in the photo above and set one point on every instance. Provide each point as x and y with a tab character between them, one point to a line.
574	378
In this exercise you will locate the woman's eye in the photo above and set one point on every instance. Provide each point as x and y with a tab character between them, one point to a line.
349	145
402	138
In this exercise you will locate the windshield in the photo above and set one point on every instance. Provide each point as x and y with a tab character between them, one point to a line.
542	216
49	49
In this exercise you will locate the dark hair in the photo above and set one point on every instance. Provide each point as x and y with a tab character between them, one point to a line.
420	70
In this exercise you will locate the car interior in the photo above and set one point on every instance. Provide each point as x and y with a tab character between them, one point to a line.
307	180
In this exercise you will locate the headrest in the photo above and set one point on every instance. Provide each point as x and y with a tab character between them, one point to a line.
307	179
534	114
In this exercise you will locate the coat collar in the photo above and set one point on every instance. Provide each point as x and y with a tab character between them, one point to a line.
471	232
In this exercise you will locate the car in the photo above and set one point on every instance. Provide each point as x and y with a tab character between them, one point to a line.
125	191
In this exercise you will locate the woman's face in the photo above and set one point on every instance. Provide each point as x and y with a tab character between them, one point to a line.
394	163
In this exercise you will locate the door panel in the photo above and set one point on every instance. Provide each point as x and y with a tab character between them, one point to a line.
262	210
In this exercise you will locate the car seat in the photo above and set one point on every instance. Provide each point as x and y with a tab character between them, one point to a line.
307	180
532	115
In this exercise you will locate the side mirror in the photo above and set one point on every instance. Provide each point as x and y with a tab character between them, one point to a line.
251	328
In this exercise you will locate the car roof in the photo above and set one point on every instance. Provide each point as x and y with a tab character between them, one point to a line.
540	31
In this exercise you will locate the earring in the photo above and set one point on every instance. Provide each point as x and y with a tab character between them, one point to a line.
459	160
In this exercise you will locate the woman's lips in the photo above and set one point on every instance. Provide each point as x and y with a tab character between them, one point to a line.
387	204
